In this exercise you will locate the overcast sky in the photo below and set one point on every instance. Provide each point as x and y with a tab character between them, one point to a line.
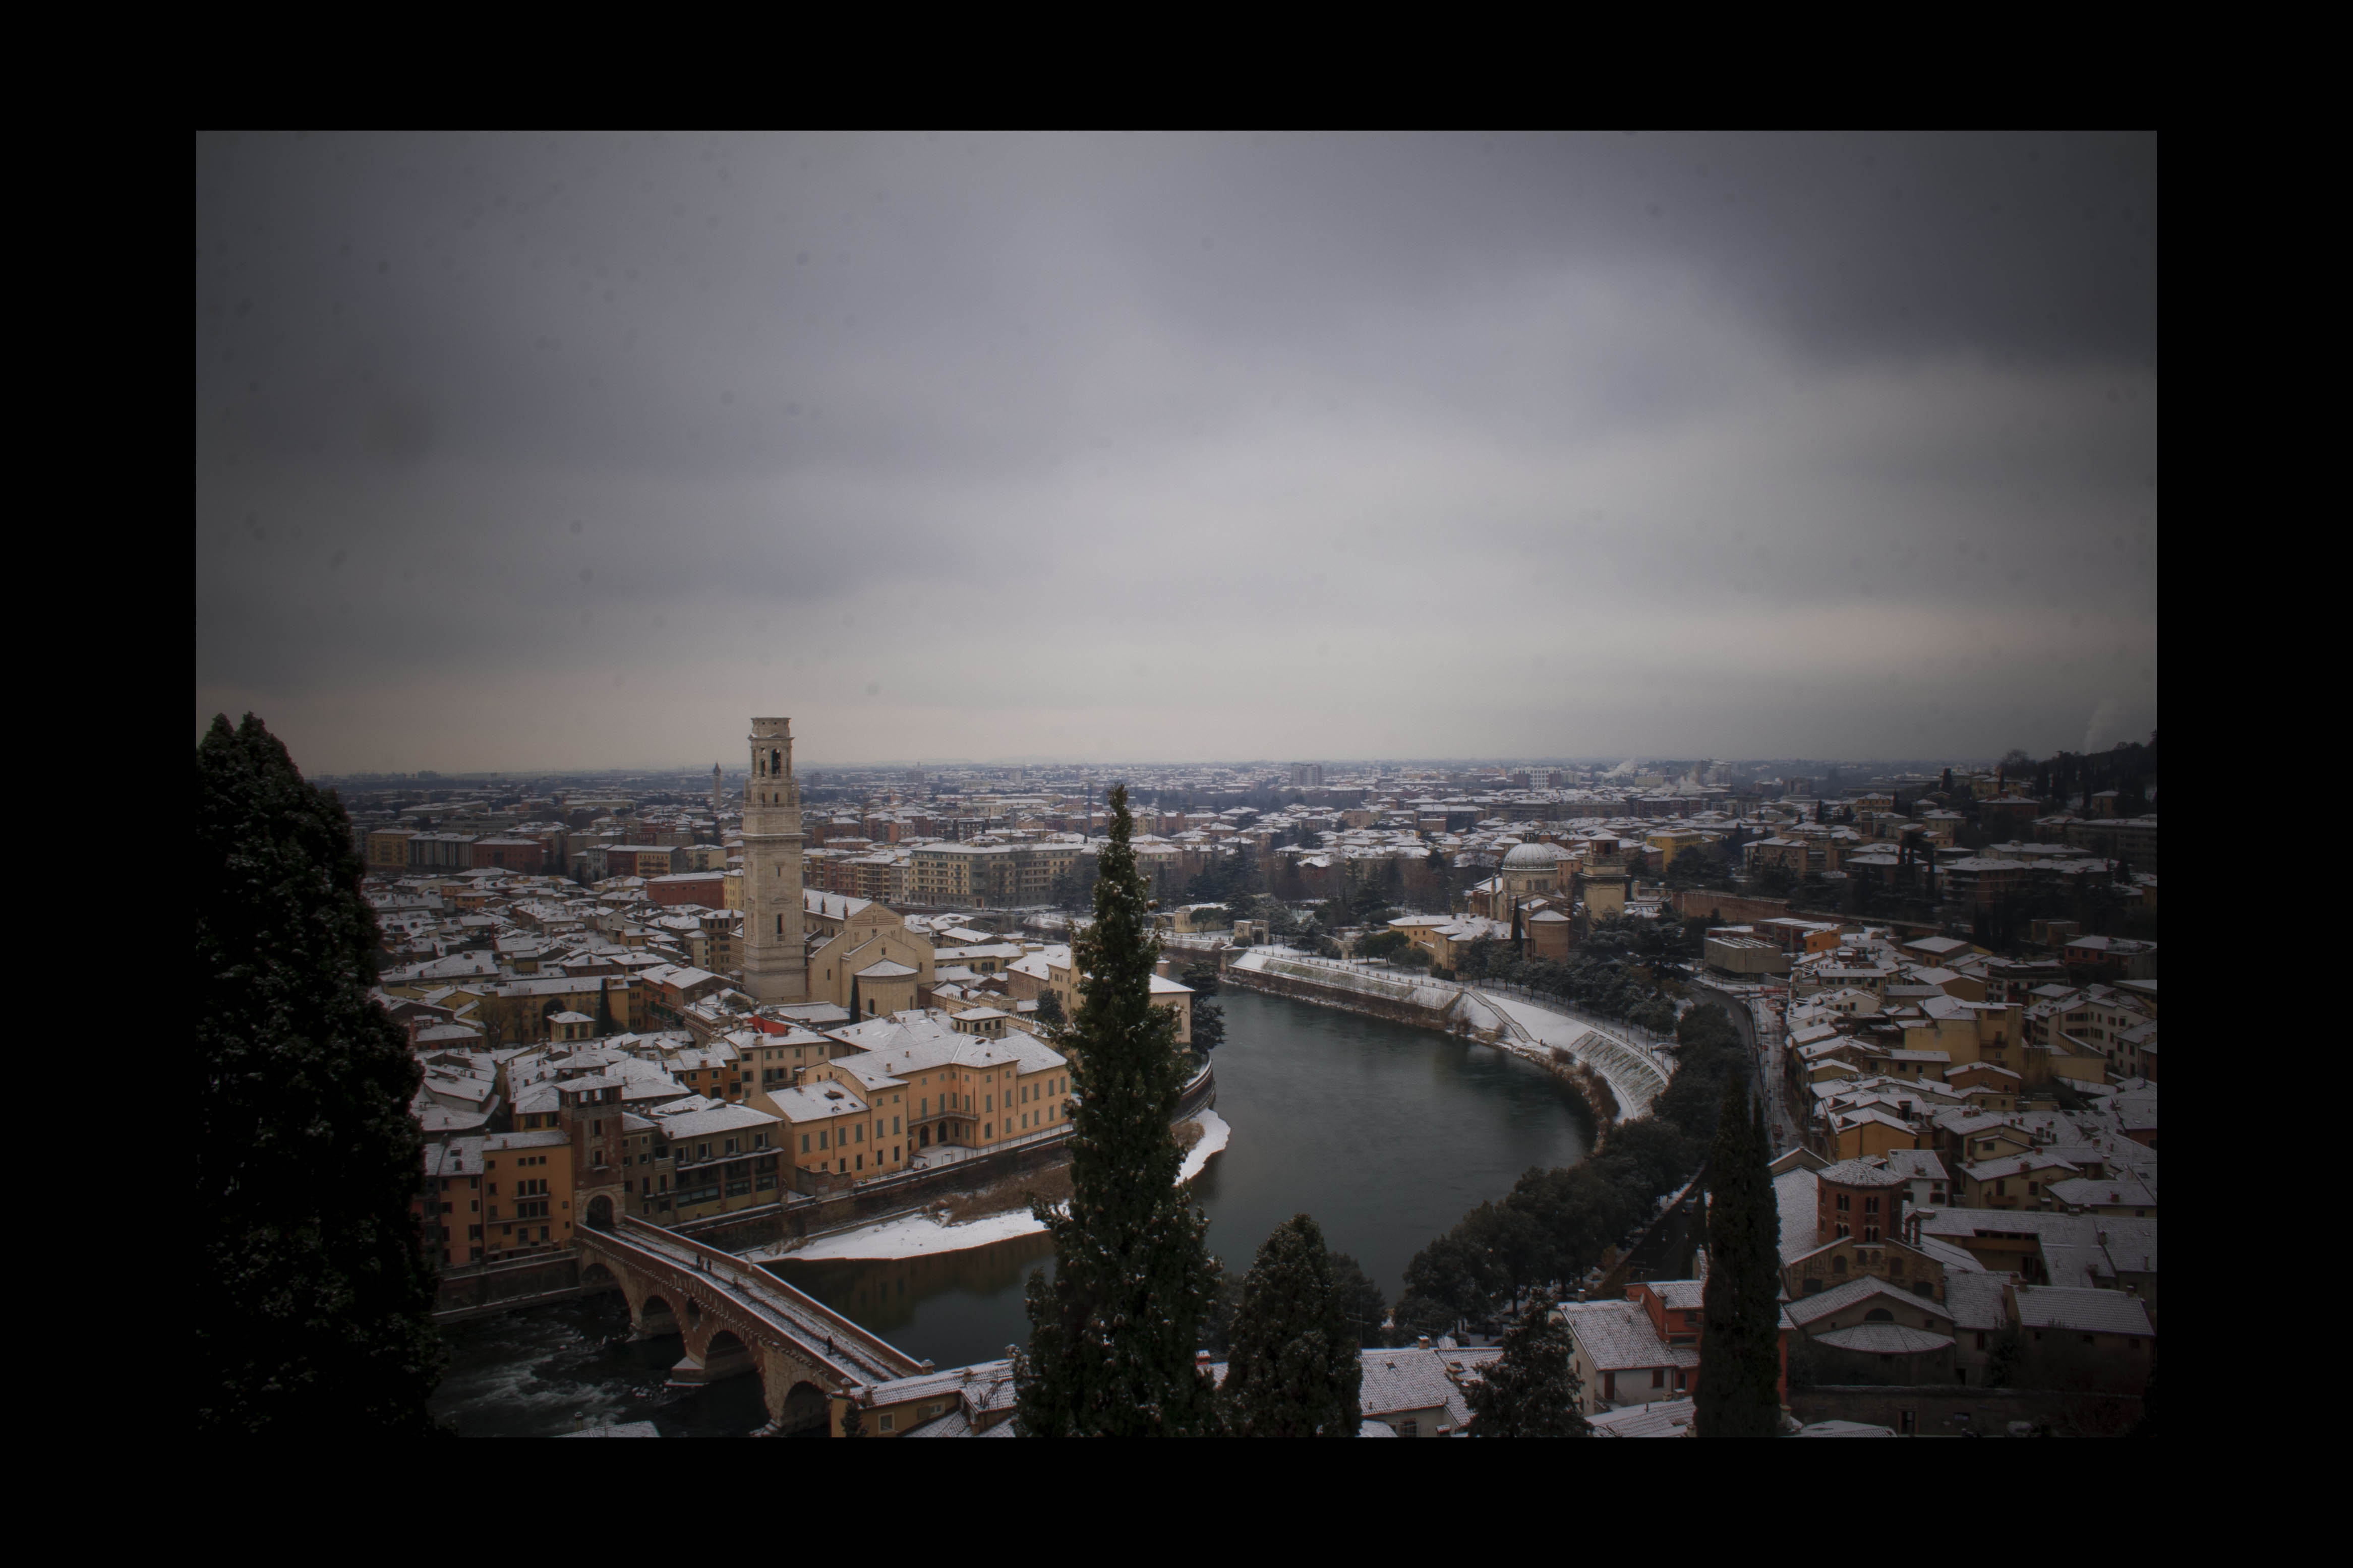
546	452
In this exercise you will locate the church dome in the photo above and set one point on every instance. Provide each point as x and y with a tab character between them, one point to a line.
1533	855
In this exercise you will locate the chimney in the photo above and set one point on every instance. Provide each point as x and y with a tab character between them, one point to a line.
1580	1292
1421	1341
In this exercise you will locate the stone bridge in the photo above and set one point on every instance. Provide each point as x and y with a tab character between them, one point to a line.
737	1318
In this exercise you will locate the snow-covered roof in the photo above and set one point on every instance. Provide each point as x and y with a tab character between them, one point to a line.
718	1118
1618	1336
2088	1312
1838	1298
1672	1419
1884	1339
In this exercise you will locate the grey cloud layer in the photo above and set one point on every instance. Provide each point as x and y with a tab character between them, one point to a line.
520	451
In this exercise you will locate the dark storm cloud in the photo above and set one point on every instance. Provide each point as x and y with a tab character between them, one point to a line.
533	435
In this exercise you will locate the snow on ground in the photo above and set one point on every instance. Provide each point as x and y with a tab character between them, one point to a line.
1634	1074
1214	1133
915	1236
922	1235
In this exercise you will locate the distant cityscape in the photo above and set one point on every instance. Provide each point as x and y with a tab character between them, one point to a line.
732	1007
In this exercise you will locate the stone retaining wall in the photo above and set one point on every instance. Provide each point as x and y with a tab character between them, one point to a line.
476	1288
1990	1410
1395	1010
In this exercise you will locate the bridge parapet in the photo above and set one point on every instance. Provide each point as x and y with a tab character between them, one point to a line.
735	1318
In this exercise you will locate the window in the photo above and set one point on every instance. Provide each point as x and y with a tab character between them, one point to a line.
1409	1427
1658	1377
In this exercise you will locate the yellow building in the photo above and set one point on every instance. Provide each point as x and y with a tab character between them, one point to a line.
991	874
1049	969
1867	1134
721	1159
973	1398
971	1091
1671	842
526	1193
388	851
831	1132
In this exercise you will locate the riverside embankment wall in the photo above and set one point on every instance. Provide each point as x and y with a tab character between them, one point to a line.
1445	1006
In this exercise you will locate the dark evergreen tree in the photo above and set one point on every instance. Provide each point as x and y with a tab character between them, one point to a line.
1530	1391
1293	1369
1114	1334
316	1311
1209	1025
1049	1010
853	1419
1418	1315
1739	1373
1217	1324
1360	1299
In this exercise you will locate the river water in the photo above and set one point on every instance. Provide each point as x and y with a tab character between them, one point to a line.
1386	1134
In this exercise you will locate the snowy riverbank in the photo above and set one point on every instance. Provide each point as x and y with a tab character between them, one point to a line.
921	1236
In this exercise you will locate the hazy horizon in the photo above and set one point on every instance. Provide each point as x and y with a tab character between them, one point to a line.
1331	766
535	454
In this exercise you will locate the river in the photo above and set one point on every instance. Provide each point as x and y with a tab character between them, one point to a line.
1386	1134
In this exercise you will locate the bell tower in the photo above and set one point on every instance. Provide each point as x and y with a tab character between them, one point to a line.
776	962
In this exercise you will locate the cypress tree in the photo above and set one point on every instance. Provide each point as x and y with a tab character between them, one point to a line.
1293	1369
316	1311
1739	1349
1112	1334
1530	1390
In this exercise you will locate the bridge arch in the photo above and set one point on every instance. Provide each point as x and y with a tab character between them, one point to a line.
803	1405
726	1355
654	1317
